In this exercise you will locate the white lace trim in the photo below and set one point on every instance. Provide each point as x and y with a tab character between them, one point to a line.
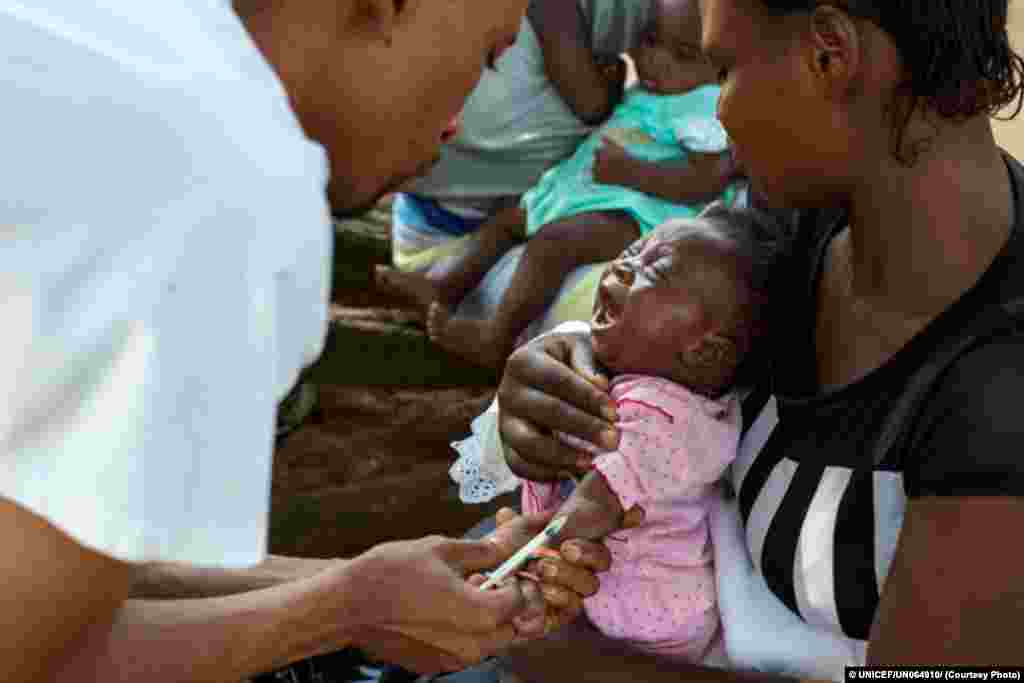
481	471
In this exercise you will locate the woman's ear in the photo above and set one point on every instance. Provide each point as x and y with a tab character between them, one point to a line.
834	54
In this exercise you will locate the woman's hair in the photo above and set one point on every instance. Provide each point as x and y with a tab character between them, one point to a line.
957	53
761	240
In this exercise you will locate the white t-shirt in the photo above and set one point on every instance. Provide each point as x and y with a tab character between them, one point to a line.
164	274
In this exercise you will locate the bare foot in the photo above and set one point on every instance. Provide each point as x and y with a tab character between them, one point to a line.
416	288
471	339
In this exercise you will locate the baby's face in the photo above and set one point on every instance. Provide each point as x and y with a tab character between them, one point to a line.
645	313
669	60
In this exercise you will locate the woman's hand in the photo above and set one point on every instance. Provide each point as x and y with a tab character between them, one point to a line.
412	603
550	384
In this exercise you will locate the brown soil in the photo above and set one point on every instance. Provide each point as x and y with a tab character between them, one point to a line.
371	464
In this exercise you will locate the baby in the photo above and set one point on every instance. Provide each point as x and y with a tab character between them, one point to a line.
675	320
661	155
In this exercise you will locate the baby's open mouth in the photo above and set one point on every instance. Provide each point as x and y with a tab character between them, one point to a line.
604	312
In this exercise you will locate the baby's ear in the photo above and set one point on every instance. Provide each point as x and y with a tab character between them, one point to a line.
714	357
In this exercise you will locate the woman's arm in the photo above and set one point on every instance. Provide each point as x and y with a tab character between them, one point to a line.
64	612
700	178
955	593
570	63
214	639
407	602
52	591
173	580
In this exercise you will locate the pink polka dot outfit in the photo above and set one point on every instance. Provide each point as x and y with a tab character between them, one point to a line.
660	591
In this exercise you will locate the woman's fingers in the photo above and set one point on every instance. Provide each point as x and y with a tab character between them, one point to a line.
561	599
548	368
504	516
553	384
549	458
538	455
531	622
634	517
565	576
586	554
583	362
514	530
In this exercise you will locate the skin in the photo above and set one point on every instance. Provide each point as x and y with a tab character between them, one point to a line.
668	62
664	307
650	318
582	78
918	238
69	613
390	74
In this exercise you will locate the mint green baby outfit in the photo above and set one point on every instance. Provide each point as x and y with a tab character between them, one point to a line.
651	127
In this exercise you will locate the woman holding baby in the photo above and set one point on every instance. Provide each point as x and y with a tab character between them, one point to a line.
880	453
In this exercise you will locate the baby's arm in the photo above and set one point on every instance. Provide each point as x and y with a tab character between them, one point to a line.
700	178
577	74
593	510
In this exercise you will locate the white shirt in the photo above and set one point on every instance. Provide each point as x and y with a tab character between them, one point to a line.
164	274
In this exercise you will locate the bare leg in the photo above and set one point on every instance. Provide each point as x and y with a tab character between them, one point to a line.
554	252
499	234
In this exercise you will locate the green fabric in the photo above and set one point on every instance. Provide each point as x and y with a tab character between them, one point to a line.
515	125
649	126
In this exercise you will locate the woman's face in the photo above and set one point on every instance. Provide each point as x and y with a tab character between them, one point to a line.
381	105
794	142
